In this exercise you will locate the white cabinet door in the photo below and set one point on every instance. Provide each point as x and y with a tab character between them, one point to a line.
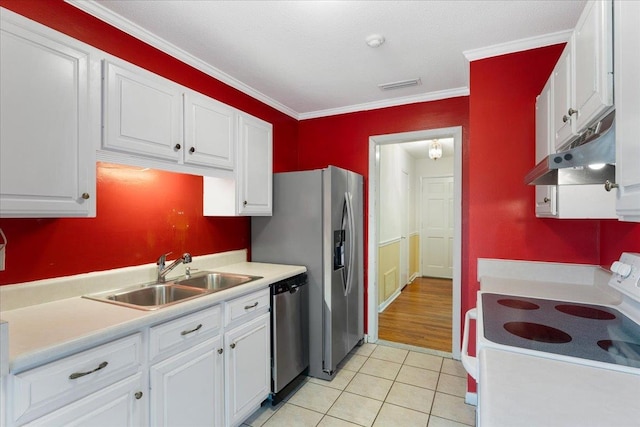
142	113
255	166
210	132
121	404
563	121
247	368
49	122
593	63
627	87
187	389
545	194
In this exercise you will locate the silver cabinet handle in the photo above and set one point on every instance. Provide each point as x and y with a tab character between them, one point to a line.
177	146
85	196
220	351
546	200
608	185
571	112
192	150
233	345
192	330
247	307
138	395
82	374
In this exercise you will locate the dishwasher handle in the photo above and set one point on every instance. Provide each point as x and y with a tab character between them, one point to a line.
470	363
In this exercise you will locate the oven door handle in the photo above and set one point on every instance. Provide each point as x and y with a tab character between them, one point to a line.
470	363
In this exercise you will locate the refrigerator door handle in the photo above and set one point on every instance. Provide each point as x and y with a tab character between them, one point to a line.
351	222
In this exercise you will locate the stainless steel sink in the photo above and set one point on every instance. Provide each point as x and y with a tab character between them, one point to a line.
215	281
149	297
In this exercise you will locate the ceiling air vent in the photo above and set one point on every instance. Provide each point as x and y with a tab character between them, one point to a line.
400	84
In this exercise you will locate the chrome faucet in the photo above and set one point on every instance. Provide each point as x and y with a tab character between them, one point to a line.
163	271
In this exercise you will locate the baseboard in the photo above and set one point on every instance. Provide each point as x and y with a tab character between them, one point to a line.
471	398
382	307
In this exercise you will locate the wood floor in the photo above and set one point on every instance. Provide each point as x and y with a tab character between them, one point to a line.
420	316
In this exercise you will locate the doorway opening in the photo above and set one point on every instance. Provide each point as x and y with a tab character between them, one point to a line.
398	237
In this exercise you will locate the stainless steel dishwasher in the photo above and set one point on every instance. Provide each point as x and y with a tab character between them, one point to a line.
289	338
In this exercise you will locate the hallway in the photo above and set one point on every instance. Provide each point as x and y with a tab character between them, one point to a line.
420	315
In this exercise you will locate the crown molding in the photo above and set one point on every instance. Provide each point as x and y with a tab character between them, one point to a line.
394	102
129	27
518	45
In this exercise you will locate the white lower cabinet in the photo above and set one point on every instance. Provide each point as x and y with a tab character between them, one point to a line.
121	404
101	382
247	368
186	375
206	368
187	389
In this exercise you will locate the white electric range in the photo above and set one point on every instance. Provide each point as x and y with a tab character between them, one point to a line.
559	355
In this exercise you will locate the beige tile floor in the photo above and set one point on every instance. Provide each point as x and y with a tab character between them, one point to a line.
380	386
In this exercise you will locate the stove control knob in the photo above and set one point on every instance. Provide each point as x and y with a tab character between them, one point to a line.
621	269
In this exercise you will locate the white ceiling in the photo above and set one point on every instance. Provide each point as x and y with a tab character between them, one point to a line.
310	59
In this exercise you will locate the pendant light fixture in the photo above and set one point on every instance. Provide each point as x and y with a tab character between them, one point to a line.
435	150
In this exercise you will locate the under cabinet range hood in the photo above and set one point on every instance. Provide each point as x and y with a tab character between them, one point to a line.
588	159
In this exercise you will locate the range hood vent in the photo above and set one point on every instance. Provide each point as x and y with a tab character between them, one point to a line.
588	159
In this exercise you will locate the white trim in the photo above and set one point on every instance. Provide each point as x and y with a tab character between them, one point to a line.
389	242
382	307
372	232
471	398
413	99
129	27
517	45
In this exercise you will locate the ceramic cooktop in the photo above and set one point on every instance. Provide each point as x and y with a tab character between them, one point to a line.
566	328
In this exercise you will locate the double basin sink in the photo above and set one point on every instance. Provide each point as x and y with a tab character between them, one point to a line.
157	295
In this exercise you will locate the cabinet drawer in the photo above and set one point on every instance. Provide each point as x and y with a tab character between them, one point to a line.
247	305
48	387
170	336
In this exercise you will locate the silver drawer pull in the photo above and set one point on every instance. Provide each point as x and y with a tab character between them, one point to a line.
247	307
192	330
82	374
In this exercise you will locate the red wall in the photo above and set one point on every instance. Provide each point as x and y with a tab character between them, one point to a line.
137	221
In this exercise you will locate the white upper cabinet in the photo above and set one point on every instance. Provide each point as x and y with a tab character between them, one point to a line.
563	125
255	167
593	53
49	122
142	113
150	121
627	98
584	73
210	131
545	194
250	190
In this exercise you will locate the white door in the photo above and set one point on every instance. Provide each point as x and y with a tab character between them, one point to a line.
142	113
255	164
121	404
436	227
186	389
247	357
404	228
210	132
48	101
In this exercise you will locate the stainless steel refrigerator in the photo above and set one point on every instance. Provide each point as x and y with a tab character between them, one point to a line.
317	222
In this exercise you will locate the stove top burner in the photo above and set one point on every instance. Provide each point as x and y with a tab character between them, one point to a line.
585	312
621	349
519	304
568	329
537	332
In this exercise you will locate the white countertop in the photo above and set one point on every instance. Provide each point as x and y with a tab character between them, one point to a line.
45	332
521	390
